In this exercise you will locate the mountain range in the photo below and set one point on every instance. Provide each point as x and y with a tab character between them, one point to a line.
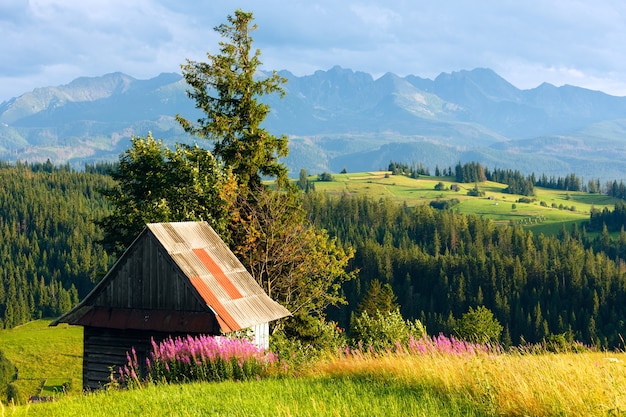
339	119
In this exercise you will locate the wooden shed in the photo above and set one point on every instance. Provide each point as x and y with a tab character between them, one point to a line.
175	279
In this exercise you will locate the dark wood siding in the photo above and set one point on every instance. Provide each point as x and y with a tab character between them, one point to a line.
147	279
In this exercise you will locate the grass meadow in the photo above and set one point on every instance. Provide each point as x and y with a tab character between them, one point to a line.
355	384
48	359
549	211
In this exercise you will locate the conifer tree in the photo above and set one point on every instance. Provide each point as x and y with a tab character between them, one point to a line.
379	298
226	90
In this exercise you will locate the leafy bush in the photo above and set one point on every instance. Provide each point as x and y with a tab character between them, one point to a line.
478	326
440	186
15	395
475	192
314	332
563	343
303	339
325	176
444	204
383	331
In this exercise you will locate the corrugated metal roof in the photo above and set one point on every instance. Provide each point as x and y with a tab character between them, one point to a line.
218	277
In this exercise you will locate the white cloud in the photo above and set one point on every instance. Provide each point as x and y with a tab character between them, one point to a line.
48	42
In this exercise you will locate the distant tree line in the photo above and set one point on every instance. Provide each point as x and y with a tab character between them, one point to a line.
568	183
409	170
609	220
469	172
617	190
516	182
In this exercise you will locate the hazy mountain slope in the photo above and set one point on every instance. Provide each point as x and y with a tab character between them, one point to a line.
341	118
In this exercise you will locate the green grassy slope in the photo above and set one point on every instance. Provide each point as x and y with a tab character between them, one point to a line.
48	359
558	208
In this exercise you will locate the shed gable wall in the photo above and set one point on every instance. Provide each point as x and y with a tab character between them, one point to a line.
147	278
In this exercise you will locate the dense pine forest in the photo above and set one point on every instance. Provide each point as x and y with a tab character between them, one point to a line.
48	239
439	263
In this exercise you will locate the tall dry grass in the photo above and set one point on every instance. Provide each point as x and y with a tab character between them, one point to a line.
505	384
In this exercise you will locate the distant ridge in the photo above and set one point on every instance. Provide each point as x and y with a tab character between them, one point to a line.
342	118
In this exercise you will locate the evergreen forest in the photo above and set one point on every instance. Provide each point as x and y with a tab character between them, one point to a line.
48	239
439	263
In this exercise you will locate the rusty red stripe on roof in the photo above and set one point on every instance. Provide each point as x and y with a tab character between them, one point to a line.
217	272
222	314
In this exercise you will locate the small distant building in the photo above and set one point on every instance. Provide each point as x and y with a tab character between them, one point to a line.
175	279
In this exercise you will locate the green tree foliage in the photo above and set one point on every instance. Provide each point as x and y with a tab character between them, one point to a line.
614	219
470	172
413	170
568	183
476	192
157	184
227	92
378	297
303	180
47	236
440	186
296	264
383	330
306	335
444	204
479	326
325	176
615	189
441	263
515	181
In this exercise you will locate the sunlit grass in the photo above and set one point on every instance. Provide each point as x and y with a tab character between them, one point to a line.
483	384
46	357
588	384
306	396
559	207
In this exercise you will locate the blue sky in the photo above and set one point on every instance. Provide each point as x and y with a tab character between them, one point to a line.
51	42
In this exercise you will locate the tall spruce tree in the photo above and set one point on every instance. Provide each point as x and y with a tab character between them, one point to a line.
227	91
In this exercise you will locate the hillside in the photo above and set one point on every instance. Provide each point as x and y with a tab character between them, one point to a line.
547	212
342	119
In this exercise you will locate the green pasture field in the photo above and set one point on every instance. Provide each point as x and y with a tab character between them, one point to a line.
559	207
48	359
394	384
287	397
